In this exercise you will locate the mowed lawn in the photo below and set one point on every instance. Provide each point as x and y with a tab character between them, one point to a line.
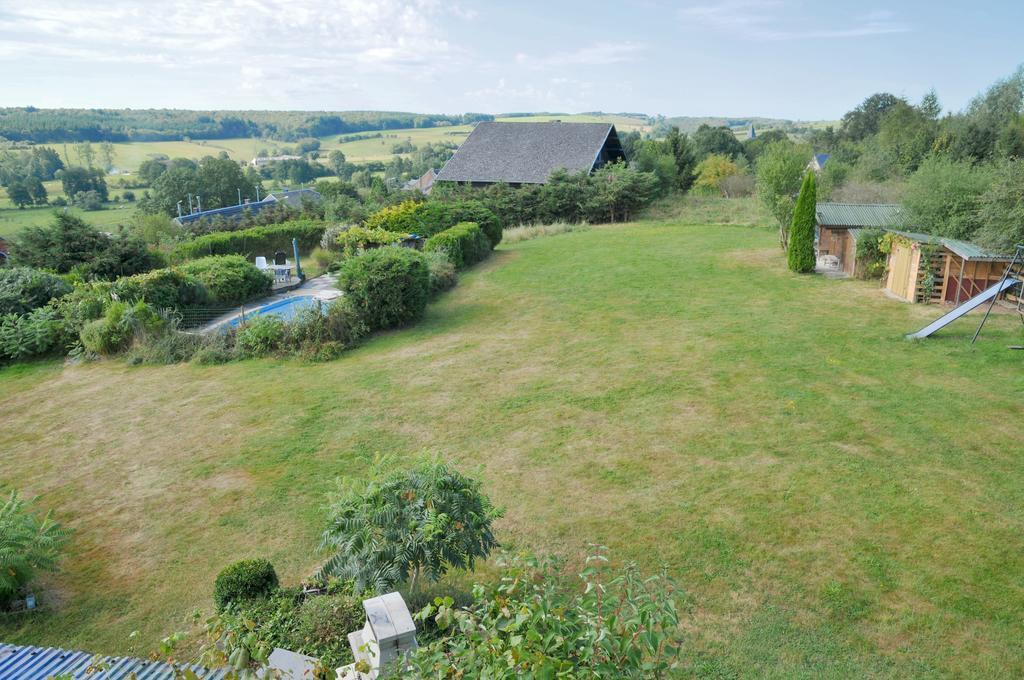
836	501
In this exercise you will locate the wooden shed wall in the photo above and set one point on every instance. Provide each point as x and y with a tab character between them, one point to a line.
901	279
963	279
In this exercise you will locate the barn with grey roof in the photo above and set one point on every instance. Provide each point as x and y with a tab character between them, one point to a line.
527	153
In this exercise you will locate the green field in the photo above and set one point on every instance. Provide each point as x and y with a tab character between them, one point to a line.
13	220
836	501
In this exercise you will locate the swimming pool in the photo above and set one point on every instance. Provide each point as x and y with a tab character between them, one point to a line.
286	309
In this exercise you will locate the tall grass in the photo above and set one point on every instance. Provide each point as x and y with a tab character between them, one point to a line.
530	232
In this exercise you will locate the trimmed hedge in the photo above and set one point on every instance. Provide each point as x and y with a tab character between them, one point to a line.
388	286
163	289
465	244
229	279
364	238
244	580
254	241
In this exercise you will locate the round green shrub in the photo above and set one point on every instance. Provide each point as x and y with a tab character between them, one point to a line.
23	289
229	279
244	580
163	289
388	286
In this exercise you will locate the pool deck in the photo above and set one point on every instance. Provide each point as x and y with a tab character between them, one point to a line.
323	287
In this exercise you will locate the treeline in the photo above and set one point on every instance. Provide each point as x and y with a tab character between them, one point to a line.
32	124
960	175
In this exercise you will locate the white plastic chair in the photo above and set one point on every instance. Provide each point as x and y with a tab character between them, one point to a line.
261	263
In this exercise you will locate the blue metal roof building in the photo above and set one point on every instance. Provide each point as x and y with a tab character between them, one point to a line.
40	663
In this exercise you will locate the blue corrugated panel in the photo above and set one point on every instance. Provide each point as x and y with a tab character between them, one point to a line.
40	663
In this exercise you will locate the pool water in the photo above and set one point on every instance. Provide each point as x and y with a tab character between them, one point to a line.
286	309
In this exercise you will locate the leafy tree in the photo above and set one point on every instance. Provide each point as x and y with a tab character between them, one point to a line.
709	140
28	545
87	200
655	157
412	524
150	171
18	193
36	190
220	180
821	139
75	180
1001	208
712	171
865	120
905	136
780	169
68	243
801	232
107	155
943	197
685	154
930	105
533	623
171	188
336	159
86	154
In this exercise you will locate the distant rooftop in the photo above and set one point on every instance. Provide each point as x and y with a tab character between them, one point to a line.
527	153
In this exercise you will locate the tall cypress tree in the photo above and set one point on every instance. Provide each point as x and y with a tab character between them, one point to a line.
801	231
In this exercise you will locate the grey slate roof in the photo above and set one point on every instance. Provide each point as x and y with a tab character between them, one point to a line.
39	663
527	153
861	215
294	197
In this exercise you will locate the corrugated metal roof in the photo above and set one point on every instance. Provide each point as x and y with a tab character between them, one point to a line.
40	663
966	250
861	215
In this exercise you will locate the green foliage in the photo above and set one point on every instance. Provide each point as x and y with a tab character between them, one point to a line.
780	170
442	271
356	239
464	244
162	288
229	279
709	140
41	332
389	286
410	524
943	197
244	580
432	217
80	180
115	331
28	545
714	170
1001	208
869	252
531	623
253	241
801	232
261	336
23	289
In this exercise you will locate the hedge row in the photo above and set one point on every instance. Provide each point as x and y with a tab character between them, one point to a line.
433	217
388	287
465	244
254	241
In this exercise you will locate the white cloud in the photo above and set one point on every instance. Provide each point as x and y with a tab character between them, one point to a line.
290	40
598	54
771	20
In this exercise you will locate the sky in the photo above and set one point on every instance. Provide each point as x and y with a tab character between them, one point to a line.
774	58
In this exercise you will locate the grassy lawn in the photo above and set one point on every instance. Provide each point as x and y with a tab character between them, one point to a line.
837	501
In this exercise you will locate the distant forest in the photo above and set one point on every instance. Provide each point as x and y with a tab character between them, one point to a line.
30	124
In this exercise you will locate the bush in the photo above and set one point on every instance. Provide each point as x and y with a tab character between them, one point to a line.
229	279
403	218
244	580
433	217
465	244
442	271
801	232
388	286
39	333
262	336
23	289
943	197
116	330
413	524
254	241
329	241
355	239
169	346
869	252
532	623
162	288
216	348
29	545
